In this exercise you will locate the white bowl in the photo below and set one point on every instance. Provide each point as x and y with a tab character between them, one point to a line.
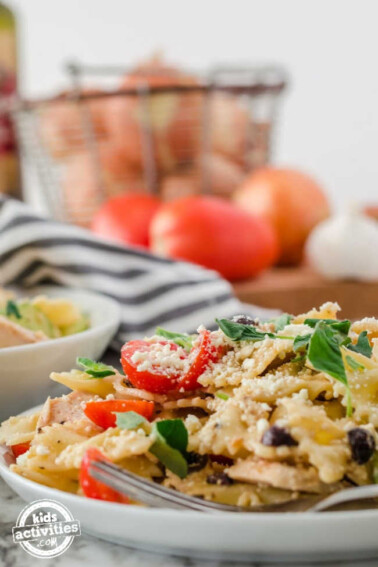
25	370
263	537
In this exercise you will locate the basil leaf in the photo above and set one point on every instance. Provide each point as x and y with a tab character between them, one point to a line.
363	345
325	355
240	332
281	321
354	365
174	432
183	340
222	396
171	440
299	358
12	309
340	329
95	369
129	419
342	326
301	342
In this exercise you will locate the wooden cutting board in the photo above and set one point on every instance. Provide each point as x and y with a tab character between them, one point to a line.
297	290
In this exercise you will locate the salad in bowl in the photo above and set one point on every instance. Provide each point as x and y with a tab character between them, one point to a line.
31	320
252	413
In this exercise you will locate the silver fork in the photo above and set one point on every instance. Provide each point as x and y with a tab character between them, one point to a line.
157	496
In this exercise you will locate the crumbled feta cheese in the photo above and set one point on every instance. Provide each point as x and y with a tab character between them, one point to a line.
162	356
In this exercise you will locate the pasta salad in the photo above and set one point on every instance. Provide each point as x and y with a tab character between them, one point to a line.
251	413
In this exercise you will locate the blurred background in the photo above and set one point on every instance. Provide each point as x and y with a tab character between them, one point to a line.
329	124
122	110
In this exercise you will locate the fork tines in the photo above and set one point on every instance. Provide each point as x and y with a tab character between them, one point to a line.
154	495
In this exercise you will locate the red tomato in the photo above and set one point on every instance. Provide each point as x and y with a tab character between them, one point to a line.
20	449
161	380
126	218
154	380
103	413
203	353
216	234
290	200
93	488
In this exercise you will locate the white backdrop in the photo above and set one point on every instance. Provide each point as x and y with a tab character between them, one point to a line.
329	121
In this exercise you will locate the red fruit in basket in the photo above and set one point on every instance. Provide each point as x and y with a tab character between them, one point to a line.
170	121
62	125
290	200
88	179
214	174
214	233
126	218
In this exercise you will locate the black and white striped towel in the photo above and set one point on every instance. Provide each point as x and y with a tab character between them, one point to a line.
151	290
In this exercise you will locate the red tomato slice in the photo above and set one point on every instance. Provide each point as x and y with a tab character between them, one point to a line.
156	379
20	449
204	353
93	488
103	413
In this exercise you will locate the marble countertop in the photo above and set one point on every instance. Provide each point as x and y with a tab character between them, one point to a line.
87	551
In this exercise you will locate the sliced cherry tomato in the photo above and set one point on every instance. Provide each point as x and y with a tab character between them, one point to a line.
20	449
155	379
159	380
203	353
93	488
103	413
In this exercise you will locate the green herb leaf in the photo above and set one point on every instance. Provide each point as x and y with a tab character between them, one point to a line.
325	355
129	419
299	358
354	365
174	432
363	345
281	321
240	332
301	342
171	441
222	396
95	369
183	340
342	326
12	309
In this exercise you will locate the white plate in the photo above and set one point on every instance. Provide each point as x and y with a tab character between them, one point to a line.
233	537
25	369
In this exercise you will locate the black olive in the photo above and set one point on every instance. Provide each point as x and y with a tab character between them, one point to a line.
196	462
321	397
219	478
276	436
244	320
362	444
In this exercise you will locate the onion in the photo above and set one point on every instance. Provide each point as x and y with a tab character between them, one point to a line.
89	179
290	200
229	127
172	120
218	176
62	128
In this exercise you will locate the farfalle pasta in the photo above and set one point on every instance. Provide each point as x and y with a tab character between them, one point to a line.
249	414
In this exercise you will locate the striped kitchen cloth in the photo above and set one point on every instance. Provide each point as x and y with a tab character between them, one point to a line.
151	290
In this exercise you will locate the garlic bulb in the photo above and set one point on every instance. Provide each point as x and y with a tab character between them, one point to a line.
345	246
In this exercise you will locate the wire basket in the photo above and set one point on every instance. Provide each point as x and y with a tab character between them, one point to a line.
162	131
